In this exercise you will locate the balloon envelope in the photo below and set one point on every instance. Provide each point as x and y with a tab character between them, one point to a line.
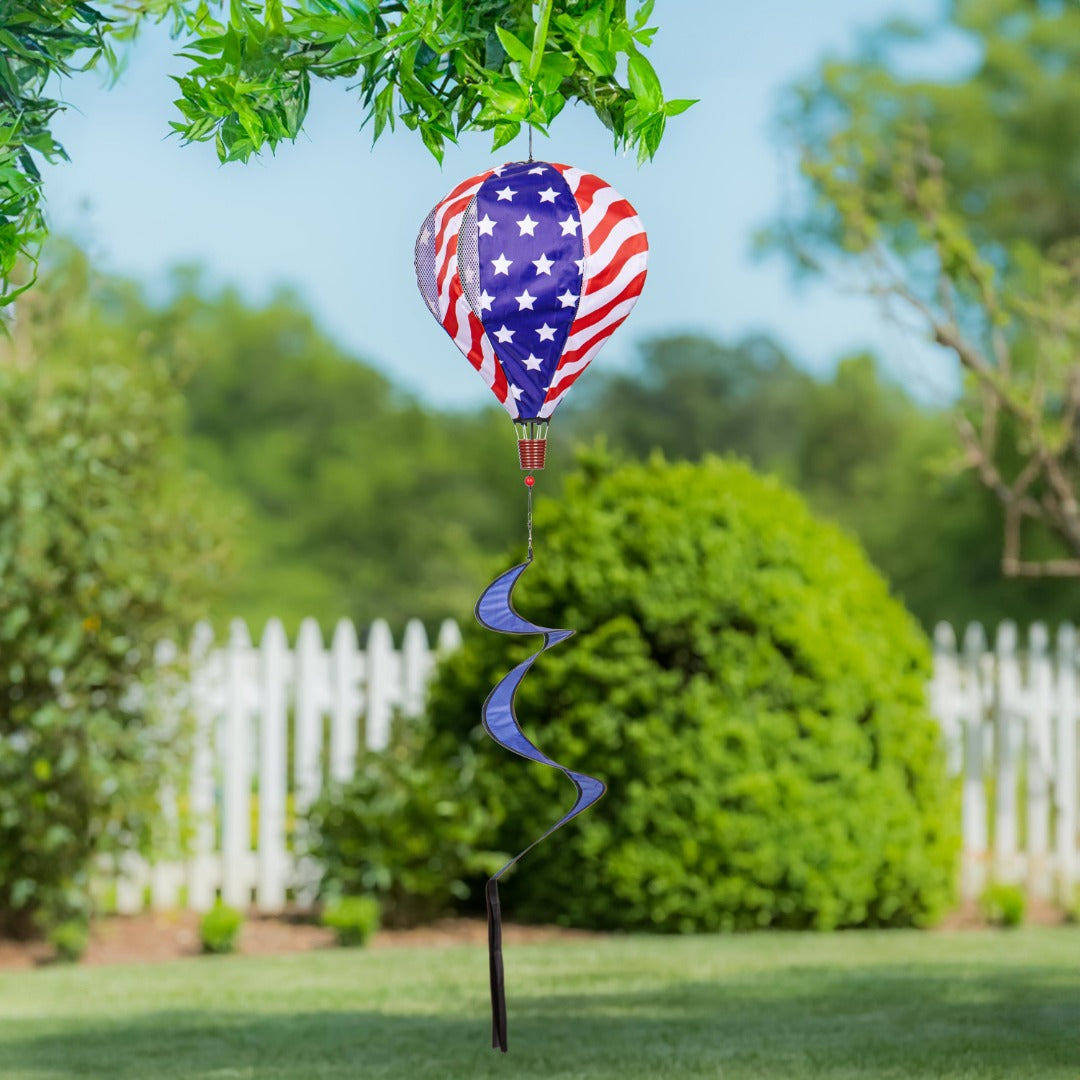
530	268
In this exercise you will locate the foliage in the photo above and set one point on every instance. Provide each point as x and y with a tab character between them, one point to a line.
855	445
219	928
106	545
354	919
1003	905
69	940
748	689
406	834
931	223
1004	123
41	40
442	67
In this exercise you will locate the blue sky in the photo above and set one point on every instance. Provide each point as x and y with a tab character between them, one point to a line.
337	219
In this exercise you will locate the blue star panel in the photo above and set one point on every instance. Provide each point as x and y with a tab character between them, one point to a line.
532	258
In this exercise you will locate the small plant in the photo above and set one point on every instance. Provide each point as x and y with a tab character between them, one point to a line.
1072	906
219	928
69	939
352	918
1003	905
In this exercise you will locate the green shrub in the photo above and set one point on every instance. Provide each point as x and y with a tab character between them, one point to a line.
748	689
354	919
69	940
105	547
1003	905
408	834
219	928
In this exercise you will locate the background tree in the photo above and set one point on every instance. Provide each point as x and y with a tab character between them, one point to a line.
360	501
955	204
315	452
442	67
855	444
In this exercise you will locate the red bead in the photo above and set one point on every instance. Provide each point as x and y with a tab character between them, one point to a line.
530	480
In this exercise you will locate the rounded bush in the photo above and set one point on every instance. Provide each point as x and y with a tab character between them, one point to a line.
1003	905
69	940
744	683
219	928
354	919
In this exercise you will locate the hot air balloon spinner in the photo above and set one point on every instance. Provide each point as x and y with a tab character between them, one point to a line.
529	268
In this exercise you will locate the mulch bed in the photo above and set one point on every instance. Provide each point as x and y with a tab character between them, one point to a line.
1036	913
158	936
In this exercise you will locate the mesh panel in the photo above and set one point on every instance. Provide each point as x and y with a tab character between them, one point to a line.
424	261
469	258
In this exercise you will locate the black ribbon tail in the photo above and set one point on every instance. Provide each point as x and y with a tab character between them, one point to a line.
495	966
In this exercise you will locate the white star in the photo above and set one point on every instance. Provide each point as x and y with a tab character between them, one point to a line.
570	226
527	225
425	236
502	264
485	301
504	336
537	171
485	225
543	265
567	299
516	391
506	194
533	363
549	195
580	264
525	301
547	333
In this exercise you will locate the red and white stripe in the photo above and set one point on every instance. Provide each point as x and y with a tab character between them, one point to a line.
616	262
455	314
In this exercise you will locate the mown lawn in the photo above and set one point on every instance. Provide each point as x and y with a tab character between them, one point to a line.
866	1005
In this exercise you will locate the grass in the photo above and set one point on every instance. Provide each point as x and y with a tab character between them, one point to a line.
867	1005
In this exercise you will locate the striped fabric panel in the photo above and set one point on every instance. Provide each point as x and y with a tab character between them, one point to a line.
616	263
455	314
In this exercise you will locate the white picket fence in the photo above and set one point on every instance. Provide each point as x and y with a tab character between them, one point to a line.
1010	720
274	724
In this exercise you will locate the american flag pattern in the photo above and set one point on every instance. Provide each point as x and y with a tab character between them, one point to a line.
530	268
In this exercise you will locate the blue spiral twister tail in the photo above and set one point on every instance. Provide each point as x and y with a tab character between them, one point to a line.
495	611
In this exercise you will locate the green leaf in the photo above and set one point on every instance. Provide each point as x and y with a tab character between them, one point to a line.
433	140
505	133
678	105
515	49
644	84
540	38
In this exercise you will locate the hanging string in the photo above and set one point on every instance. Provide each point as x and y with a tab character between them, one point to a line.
528	120
529	516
